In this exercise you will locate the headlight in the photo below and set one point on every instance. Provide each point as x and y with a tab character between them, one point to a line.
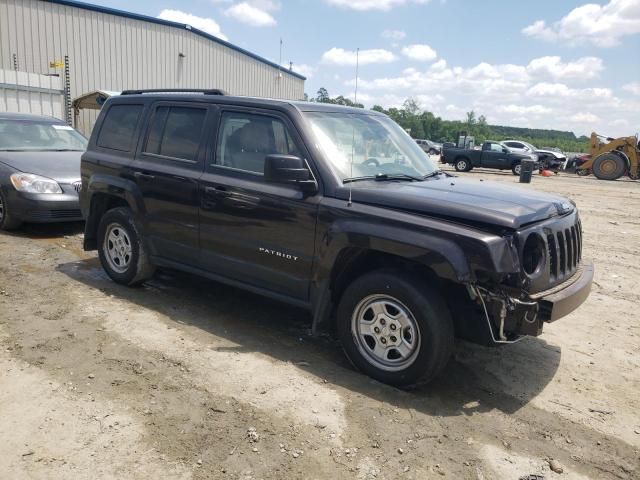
533	254
30	183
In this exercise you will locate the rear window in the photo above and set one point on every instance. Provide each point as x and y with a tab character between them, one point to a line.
119	126
175	132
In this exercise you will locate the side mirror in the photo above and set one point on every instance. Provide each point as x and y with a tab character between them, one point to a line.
288	169
505	150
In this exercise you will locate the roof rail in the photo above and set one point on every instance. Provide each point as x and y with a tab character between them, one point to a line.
204	91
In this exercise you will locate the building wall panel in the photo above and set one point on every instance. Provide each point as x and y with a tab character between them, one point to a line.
113	52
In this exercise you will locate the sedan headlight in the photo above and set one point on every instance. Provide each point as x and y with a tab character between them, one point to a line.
30	183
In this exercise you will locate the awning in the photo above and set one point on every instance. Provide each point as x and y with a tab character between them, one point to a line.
93	100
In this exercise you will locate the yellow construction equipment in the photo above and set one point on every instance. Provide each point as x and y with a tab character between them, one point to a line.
612	157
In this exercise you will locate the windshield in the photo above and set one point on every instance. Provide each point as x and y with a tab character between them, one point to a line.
28	135
360	145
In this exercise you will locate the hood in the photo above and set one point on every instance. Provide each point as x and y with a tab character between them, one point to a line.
551	152
63	167
464	200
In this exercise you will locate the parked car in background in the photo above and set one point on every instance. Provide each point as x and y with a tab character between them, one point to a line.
39	170
432	148
491	155
332	209
549	158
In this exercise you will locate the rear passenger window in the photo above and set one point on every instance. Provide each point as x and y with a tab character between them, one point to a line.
175	132
119	126
246	139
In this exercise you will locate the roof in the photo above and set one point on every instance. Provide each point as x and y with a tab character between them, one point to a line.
28	116
182	26
251	101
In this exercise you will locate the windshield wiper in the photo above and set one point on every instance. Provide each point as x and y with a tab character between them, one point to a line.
381	177
436	173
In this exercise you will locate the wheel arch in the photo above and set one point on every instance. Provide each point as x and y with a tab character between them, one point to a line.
438	259
105	193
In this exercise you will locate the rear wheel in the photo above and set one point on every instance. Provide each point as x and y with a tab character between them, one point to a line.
395	328
462	165
516	169
7	221
609	166
583	172
121	249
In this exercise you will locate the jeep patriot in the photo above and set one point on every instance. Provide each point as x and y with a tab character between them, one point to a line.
332	209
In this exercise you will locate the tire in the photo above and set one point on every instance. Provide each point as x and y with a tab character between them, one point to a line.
7	221
432	152
609	166
462	165
516	168
404	304
583	172
121	249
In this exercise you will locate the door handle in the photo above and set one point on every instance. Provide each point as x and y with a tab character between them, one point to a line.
145	177
218	191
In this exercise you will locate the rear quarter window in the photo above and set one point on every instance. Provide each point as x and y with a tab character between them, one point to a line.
119	127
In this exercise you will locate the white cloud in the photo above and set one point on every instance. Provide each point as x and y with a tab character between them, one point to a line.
394	34
420	52
364	5
601	25
340	56
250	15
583	68
633	87
584	117
207	25
304	69
524	109
540	93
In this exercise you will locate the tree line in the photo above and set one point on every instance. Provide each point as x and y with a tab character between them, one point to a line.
420	123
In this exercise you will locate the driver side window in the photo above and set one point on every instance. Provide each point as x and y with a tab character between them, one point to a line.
496	147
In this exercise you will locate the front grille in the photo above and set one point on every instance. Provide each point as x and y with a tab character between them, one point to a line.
565	252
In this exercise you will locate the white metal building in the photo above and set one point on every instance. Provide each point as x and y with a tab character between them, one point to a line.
109	49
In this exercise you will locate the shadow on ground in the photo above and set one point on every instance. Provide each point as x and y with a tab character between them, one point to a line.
47	230
472	382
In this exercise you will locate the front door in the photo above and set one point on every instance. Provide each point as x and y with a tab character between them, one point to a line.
167	169
252	231
494	156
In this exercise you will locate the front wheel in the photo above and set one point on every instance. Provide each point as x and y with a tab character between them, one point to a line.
395	328
7	220
609	166
121	250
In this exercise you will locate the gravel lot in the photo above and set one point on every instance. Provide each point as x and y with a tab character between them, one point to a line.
187	378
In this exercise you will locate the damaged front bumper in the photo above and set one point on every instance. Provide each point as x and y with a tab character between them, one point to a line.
510	317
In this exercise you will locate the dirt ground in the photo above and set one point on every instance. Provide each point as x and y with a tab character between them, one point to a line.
187	378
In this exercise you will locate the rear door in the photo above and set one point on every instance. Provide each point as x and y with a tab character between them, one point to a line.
253	231
167	167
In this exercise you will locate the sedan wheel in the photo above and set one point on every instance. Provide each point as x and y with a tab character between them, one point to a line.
7	221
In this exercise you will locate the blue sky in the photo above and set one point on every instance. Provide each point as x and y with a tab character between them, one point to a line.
545	64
